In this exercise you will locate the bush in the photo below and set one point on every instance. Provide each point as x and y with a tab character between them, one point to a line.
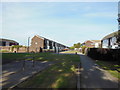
4	51
83	49
17	47
72	48
104	54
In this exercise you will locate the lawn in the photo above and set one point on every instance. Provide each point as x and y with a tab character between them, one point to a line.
60	75
9	57
71	51
111	67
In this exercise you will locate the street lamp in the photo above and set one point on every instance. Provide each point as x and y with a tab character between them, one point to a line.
28	43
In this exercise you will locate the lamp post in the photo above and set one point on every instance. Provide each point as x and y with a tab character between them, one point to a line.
28	43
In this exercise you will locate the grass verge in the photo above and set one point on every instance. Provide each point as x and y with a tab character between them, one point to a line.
59	75
72	52
111	67
9	57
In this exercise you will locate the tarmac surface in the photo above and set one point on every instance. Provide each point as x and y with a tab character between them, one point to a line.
92	76
16	72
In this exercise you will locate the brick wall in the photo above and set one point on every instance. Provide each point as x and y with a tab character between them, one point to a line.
20	50
9	48
36	44
5	48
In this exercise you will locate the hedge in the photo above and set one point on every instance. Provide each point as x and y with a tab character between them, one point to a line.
104	54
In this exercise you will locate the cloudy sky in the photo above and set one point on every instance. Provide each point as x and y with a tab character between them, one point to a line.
64	22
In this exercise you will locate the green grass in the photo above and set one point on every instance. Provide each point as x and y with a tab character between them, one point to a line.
9	57
60	75
114	73
73	51
111	67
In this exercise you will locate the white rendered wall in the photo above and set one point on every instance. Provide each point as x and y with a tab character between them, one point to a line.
7	43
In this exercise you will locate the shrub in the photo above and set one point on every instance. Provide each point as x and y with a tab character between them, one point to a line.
83	49
104	54
4	51
72	48
17	47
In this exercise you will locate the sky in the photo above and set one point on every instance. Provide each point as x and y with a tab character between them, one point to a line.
63	22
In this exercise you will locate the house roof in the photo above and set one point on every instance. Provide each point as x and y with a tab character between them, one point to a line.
49	40
94	41
40	37
1	39
110	35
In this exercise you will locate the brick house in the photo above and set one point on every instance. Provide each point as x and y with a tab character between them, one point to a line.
92	43
38	44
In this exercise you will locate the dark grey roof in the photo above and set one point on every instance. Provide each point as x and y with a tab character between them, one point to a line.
110	35
50	40
1	39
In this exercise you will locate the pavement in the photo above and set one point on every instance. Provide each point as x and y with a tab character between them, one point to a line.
92	76
14	73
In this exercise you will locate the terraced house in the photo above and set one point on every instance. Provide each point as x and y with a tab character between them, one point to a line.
39	44
110	41
6	44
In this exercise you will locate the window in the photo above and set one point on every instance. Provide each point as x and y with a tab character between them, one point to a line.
92	44
105	43
3	43
113	41
36	43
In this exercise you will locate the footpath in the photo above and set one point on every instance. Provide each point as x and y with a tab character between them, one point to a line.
92	76
14	73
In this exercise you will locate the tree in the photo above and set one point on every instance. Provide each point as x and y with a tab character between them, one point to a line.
83	49
77	45
72	47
